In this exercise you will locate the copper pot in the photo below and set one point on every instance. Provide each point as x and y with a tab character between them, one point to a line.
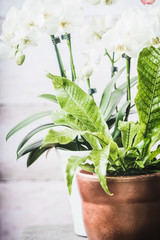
132	213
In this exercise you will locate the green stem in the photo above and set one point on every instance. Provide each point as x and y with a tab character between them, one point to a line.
88	83
128	67
62	70
107	54
113	71
71	57
89	87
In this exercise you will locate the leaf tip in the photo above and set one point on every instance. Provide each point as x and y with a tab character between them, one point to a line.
49	75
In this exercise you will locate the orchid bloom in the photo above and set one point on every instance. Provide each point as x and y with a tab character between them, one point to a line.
134	31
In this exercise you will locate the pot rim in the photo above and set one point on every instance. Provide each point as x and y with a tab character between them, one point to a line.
93	177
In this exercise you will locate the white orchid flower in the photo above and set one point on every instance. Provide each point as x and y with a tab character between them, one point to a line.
42	14
134	31
93	2
71	15
97	27
18	32
96	2
92	58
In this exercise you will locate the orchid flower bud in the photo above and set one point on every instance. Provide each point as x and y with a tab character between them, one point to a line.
20	57
147	1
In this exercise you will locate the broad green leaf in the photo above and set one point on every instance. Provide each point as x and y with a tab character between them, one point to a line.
49	97
88	167
73	163
62	137
143	148
32	133
114	150
108	90
120	116
152	155
75	101
61	117
100	159
34	155
148	97
26	122
128	132
140	163
116	96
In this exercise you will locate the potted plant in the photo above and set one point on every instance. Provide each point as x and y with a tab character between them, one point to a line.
22	29
87	124
131	208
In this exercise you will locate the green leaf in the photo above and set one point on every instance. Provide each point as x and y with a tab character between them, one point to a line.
72	146
148	97
62	137
32	133
120	116
62	117
115	98
75	101
128	131
114	150
123	86
143	148
49	97
34	155
26	122
29	148
152	155
88	167
108	90
73	163
140	163
100	159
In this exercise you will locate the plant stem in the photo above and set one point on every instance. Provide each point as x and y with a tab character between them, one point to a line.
55	41
91	91
88	83
113	71
68	37
107	54
128	67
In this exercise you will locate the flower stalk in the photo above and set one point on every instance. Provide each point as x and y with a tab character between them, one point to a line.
67	36
128	67
55	41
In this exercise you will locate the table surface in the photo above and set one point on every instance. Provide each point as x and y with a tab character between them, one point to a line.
50	232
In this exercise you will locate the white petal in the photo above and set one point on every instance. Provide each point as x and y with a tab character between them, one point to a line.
6	51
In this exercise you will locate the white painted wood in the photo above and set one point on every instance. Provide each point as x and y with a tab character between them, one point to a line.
26	203
10	169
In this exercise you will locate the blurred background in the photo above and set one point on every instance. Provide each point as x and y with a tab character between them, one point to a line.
38	195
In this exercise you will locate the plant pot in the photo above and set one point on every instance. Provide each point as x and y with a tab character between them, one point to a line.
132	213
75	200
